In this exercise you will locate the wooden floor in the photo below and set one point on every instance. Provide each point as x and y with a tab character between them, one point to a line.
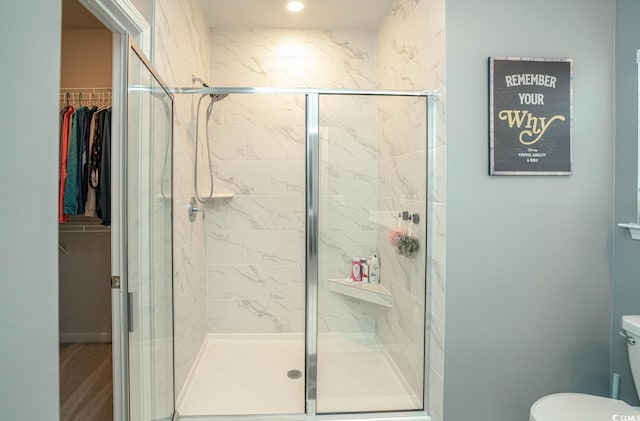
86	391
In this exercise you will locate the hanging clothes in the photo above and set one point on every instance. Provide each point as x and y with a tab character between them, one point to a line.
83	173
64	151
96	151
85	163
104	179
71	183
90	204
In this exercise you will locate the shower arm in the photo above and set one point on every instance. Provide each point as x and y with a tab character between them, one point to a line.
195	79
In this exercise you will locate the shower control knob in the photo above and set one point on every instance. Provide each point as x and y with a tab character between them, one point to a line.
193	209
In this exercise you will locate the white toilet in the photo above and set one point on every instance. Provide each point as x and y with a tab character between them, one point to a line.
578	406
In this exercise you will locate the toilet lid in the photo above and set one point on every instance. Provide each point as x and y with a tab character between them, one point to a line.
578	406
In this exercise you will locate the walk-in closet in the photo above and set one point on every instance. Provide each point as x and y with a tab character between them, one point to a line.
84	217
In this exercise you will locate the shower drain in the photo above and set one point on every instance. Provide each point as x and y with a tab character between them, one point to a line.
294	374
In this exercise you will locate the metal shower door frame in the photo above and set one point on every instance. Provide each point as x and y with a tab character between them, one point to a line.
312	176
312	192
123	319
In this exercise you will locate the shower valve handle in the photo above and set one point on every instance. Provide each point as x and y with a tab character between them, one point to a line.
193	209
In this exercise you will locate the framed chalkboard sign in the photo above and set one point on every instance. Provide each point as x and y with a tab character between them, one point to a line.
530	116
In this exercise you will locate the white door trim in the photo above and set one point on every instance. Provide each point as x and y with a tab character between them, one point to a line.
120	16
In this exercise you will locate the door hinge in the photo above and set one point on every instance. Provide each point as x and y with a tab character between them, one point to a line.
131	301
115	282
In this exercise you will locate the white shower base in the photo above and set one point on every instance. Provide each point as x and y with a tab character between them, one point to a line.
247	374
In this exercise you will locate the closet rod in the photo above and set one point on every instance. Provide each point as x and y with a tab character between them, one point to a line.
88	95
85	89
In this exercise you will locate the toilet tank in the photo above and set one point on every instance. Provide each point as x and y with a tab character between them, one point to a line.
631	324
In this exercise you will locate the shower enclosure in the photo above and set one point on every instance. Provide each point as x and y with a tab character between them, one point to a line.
309	186
307	182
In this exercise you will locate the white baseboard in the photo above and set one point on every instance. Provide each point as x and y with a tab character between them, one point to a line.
85	337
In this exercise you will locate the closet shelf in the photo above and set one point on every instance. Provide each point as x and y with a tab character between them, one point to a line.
373	293
83	228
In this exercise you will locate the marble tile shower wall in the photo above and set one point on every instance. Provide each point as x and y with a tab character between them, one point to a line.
347	220
256	243
402	185
273	57
181	49
256	239
410	54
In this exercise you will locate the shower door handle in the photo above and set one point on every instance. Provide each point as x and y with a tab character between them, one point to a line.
131	311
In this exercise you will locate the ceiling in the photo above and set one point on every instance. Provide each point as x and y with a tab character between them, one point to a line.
318	14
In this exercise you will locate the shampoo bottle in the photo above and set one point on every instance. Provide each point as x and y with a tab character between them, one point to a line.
365	270
374	270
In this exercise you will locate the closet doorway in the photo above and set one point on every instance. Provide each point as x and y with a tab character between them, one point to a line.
84	216
115	215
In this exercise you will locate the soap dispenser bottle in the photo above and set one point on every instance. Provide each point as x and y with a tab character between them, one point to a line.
374	270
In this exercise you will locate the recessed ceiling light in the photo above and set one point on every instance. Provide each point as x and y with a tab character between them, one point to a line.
295	6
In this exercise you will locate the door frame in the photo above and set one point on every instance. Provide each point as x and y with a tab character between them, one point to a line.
123	19
312	204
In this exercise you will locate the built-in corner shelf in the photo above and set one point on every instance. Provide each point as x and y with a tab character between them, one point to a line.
634	230
222	195
373	293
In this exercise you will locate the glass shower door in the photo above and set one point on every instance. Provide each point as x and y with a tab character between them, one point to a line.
149	243
371	316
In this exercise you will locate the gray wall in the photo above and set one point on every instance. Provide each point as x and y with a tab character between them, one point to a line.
528	258
626	251
30	73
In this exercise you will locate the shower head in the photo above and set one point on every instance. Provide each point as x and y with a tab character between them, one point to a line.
214	97
218	97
